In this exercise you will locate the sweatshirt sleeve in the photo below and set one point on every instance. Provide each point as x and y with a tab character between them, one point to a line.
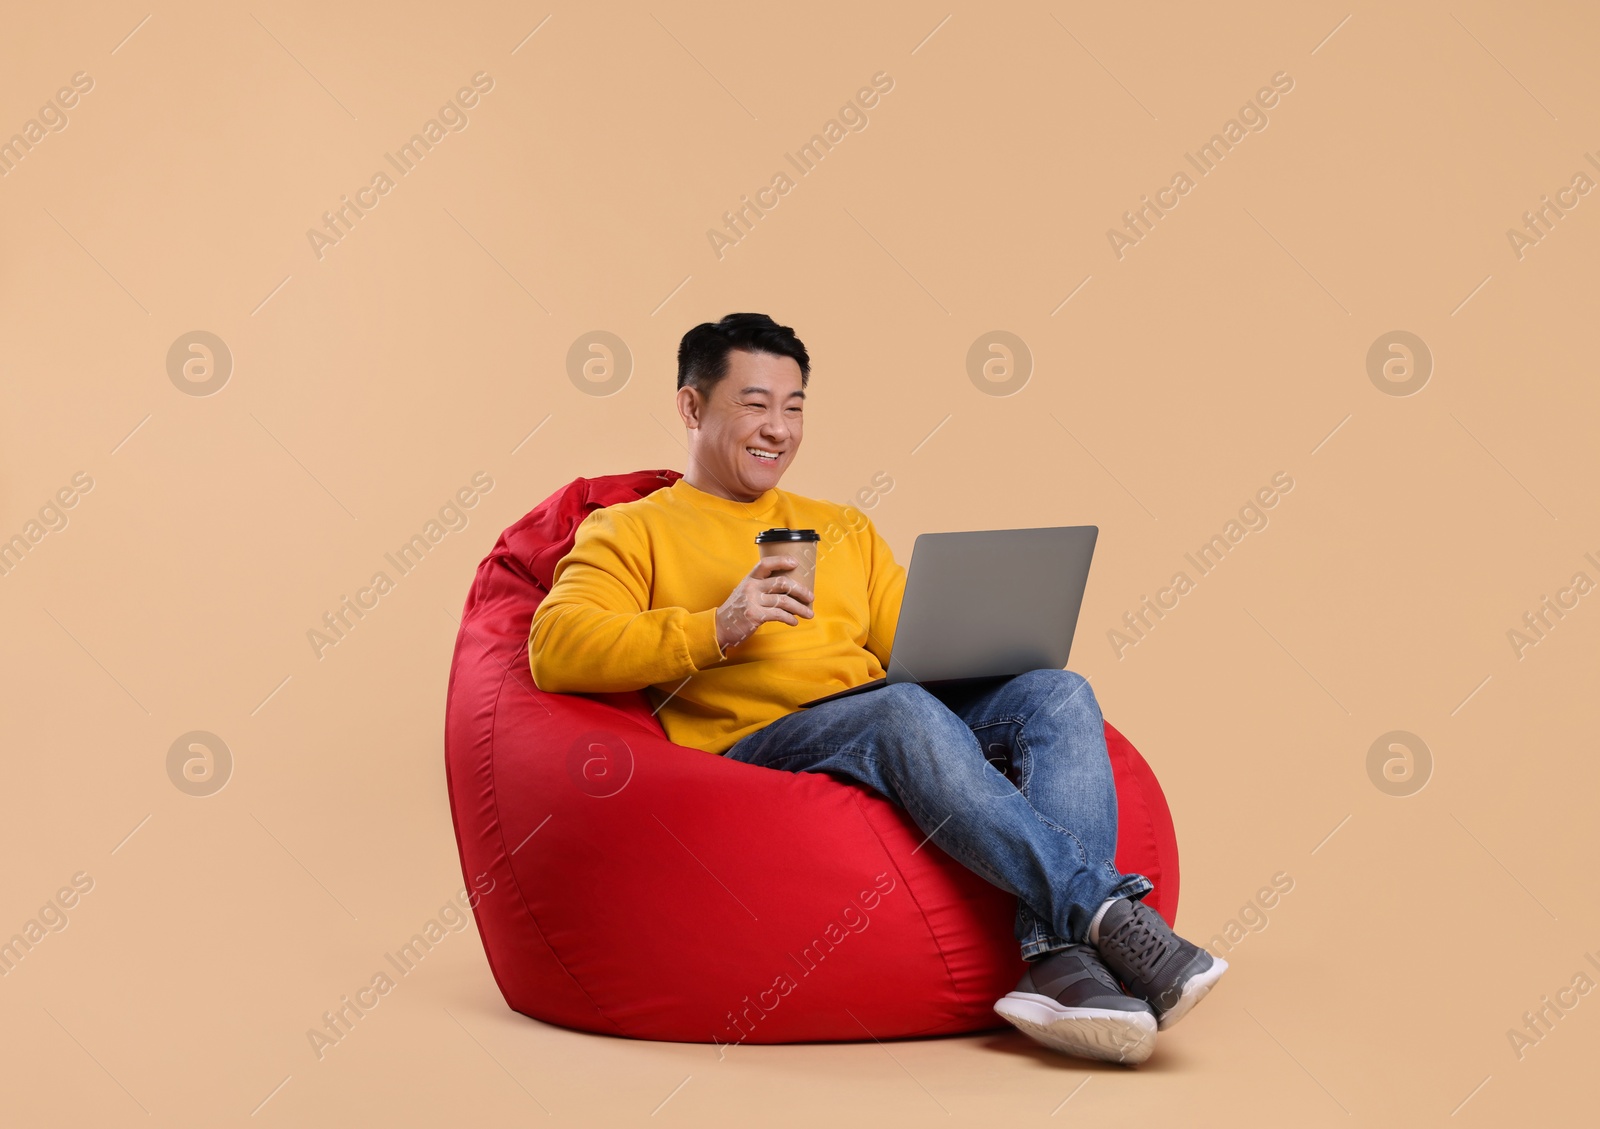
595	633
886	588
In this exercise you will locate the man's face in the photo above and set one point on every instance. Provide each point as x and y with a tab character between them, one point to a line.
757	405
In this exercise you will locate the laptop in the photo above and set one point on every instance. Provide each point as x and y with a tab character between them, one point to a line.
986	604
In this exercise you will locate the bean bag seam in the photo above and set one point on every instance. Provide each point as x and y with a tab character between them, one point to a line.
500	833
921	912
1164	838
1149	824
1149	831
455	815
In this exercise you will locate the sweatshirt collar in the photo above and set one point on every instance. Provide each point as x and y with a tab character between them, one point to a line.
694	496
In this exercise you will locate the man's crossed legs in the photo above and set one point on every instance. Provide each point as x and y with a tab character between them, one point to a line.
1012	780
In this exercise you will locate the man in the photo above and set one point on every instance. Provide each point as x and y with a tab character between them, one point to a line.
654	595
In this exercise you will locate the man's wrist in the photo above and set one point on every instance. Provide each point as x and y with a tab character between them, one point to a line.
723	641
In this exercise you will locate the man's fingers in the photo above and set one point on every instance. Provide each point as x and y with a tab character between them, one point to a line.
789	586
792	606
776	599
760	602
766	566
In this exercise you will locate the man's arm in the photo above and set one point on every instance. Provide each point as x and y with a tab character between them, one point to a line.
595	633
886	588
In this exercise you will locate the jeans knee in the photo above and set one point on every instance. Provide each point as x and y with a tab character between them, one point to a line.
1052	681
920	724
907	708
1064	692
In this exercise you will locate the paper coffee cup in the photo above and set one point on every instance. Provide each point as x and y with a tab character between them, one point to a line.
801	544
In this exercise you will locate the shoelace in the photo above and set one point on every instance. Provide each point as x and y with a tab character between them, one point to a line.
1139	946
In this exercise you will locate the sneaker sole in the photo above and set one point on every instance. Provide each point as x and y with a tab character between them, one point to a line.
1098	1033
1193	992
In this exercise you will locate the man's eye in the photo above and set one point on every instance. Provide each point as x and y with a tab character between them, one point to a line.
794	409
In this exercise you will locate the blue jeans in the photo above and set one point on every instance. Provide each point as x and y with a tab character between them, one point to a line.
1010	778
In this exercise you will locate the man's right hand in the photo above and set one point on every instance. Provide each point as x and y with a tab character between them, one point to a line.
767	593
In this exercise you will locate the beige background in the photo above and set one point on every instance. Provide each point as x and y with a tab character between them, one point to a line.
1166	388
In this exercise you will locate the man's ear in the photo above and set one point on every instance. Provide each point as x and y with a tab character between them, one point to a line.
689	406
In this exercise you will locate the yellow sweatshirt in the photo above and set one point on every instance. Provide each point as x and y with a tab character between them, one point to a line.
633	607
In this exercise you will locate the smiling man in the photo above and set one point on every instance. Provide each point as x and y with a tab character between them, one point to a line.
1011	779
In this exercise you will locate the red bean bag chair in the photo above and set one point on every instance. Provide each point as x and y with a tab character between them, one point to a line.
630	886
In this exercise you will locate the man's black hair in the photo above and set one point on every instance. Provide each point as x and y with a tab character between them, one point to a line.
703	352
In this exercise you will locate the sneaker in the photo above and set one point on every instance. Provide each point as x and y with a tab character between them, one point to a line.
1155	963
1070	1002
